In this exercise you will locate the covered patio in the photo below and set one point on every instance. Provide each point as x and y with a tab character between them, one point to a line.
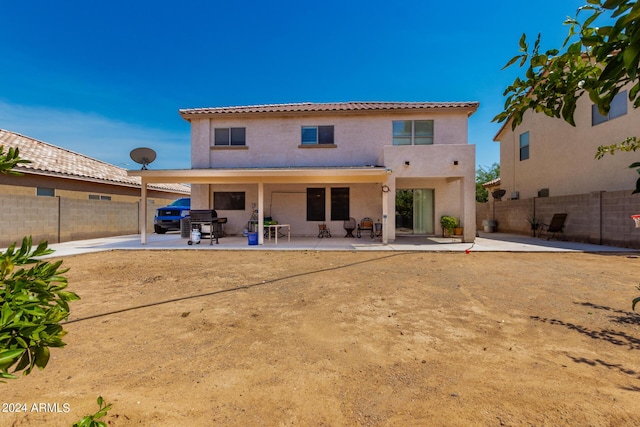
202	179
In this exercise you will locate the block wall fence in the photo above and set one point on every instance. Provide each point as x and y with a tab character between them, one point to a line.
61	219
601	217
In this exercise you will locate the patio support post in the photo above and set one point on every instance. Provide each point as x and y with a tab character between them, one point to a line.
468	203
260	213
385	215
143	211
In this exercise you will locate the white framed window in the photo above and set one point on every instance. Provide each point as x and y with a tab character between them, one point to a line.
617	108
229	136
413	132
314	135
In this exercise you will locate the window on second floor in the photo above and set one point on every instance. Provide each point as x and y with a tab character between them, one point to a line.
229	136
412	132
524	146
617	108
317	135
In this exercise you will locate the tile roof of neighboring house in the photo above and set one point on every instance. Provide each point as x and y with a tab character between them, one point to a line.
309	107
492	183
47	159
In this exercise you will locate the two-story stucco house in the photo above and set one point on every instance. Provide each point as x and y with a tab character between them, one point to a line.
547	157
548	166
402	164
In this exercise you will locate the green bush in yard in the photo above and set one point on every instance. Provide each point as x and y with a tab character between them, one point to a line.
33	300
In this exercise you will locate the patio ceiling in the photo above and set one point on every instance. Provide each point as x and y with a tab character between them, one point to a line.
265	175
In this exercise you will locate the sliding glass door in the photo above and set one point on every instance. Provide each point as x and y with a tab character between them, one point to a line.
414	211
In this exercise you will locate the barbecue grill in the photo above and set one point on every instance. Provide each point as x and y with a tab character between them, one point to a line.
208	217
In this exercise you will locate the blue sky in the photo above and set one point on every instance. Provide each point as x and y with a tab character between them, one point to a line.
102	78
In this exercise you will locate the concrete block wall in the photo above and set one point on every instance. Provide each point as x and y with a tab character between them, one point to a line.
598	217
618	228
28	215
578	224
57	219
512	215
86	219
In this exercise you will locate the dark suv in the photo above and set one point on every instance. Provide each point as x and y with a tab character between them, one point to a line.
168	218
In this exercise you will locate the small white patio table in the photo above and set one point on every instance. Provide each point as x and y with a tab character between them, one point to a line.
277	227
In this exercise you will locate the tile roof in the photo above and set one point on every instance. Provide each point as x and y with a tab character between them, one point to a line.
307	107
47	159
491	183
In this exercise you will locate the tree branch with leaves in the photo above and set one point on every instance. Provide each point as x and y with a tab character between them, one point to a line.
33	300
594	60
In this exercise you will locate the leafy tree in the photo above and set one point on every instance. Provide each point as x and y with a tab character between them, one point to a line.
599	57
595	60
484	175
10	160
33	300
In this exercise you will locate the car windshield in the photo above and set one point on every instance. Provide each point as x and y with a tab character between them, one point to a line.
181	202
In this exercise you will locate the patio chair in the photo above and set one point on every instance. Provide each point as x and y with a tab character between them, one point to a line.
555	226
366	224
323	230
349	226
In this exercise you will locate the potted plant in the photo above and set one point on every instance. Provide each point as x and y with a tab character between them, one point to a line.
535	224
448	223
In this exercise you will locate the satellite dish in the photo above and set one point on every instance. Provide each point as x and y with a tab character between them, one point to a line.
143	155
499	194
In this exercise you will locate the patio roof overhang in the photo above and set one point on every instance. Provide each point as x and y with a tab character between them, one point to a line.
261	176
358	174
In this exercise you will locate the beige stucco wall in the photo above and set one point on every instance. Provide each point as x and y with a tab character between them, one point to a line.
562	157
275	142
286	203
360	139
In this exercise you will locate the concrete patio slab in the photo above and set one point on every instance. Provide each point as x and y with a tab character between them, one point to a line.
486	242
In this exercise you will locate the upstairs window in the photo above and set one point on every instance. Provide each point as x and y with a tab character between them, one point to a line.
412	132
524	146
229	136
317	135
617	108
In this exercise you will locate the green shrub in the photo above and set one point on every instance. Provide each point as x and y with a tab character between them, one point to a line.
91	420
33	302
448	223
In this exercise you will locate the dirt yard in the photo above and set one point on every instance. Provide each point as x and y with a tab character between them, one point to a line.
305	338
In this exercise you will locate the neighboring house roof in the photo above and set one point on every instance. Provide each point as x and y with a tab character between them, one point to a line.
308	107
492	183
50	160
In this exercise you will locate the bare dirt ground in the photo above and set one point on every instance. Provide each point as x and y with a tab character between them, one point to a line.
261	338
